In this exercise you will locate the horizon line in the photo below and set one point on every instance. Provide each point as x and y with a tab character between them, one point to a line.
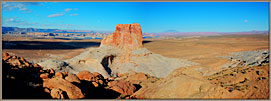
151	32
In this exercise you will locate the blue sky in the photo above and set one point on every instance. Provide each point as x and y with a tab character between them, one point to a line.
152	16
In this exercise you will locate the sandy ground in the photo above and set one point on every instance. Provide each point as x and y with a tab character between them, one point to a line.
204	50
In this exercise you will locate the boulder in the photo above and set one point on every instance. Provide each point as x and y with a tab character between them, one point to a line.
47	90
59	74
95	84
5	56
72	91
123	87
85	75
44	75
101	82
36	65
72	78
97	75
138	77
57	93
22	59
52	71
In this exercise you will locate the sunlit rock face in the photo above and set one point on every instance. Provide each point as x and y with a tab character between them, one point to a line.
127	37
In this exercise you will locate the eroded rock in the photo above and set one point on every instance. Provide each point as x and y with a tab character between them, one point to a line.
123	87
85	75
57	93
72	78
126	36
73	91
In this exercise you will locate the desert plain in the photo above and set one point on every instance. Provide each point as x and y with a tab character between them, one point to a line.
203	50
206	52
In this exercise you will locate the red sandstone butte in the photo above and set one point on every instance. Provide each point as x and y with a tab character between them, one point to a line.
126	36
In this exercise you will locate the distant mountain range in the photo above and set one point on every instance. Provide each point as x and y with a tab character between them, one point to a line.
176	33
247	32
165	33
17	29
171	31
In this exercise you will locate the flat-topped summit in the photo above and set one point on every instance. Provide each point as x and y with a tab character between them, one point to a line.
126	36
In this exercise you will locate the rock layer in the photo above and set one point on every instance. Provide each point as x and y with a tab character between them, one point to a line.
126	37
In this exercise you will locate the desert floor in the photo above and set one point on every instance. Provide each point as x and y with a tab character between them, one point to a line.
203	50
206	50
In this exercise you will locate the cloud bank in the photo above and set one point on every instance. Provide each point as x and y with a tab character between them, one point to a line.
21	6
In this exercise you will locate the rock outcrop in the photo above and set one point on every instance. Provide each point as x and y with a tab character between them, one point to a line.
123	52
73	92
57	93
253	81
31	81
21	79
72	78
245	58
127	37
123	87
179	85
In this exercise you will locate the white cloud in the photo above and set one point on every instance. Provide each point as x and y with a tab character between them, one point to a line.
9	20
23	9
245	20
21	6
62	13
56	15
15	21
73	14
67	9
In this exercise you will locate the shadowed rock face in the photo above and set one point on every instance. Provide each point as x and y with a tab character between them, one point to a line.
24	80
126	37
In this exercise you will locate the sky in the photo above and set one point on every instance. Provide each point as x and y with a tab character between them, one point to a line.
154	17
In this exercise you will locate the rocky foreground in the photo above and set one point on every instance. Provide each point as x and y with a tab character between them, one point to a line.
22	79
252	81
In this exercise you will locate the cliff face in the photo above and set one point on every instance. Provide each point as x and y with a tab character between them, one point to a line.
127	37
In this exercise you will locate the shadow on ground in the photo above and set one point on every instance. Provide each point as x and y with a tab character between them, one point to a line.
25	83
33	45
20	83
42	45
